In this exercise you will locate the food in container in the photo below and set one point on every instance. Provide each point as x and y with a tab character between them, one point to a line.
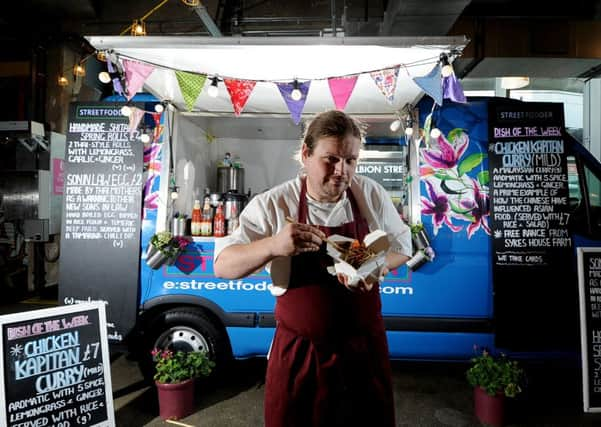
358	260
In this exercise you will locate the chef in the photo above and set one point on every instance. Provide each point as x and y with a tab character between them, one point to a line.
328	364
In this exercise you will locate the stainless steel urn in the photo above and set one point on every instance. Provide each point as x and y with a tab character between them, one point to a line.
230	179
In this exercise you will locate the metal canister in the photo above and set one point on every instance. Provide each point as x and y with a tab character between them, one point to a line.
179	226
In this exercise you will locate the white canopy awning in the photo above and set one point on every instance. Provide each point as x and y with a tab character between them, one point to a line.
274	59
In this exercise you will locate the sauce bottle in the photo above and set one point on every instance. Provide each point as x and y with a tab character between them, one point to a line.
219	222
232	223
195	225
206	225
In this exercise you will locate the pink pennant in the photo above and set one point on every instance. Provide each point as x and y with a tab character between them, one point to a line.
239	91
134	119
136	74
341	89
386	81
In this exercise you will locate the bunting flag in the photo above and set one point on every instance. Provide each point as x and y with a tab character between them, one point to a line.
295	107
136	74
341	89
239	91
117	86
452	89
134	119
386	81
431	84
190	84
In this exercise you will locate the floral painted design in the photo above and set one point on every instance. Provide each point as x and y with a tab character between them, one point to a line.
239	91
152	165
452	195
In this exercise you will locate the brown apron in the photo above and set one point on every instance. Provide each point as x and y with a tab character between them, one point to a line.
328	364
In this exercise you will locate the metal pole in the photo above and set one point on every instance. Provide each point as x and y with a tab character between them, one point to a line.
333	13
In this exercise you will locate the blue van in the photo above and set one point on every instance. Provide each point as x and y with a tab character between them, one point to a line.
503	196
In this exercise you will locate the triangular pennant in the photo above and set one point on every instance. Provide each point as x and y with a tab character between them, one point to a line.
239	91
295	106
341	89
431	84
136	74
117	85
134	119
452	89
190	84
386	81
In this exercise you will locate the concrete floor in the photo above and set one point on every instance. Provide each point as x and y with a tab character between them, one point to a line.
428	394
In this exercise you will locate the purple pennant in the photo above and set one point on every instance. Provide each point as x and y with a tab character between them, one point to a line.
451	89
295	107
117	86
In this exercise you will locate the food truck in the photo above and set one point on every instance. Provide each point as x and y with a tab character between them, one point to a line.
497	193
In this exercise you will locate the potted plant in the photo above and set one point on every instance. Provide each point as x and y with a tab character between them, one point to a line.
493	379
163	248
174	378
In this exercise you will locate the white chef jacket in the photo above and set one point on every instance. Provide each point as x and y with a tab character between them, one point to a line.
265	215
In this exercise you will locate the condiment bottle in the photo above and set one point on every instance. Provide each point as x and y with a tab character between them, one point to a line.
206	225
232	223
195	225
219	222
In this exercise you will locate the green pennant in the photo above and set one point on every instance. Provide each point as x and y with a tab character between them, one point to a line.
190	85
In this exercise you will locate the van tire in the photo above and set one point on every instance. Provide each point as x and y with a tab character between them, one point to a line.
186	329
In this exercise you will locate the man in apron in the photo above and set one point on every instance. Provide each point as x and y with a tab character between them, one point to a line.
328	364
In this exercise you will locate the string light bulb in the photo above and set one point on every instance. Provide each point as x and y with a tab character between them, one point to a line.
101	56
395	125
296	94
435	133
145	138
62	81
79	70
159	108
138	28
447	68
104	77
214	89
126	110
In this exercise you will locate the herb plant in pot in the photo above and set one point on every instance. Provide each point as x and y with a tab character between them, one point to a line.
174	378
493	379
164	248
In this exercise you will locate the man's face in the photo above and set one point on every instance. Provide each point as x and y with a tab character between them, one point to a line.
331	166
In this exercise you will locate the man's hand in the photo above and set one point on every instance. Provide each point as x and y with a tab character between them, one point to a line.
363	285
296	238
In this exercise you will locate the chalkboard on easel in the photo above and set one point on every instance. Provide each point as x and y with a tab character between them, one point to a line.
589	284
100	243
55	368
534	292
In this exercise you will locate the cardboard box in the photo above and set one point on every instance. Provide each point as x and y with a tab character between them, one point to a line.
376	242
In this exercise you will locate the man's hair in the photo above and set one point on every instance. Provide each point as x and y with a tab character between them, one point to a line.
332	123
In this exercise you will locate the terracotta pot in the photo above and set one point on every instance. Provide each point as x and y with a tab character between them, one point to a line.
489	409
176	400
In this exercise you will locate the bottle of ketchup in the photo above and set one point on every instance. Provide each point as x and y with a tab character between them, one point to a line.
219	222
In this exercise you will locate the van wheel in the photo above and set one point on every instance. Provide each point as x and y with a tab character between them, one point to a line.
185	329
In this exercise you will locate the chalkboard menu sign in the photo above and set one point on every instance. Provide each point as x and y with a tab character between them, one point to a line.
101	213
589	281
55	368
529	217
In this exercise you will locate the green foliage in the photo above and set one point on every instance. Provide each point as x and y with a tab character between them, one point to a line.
495	374
167	244
176	367
470	162
416	228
